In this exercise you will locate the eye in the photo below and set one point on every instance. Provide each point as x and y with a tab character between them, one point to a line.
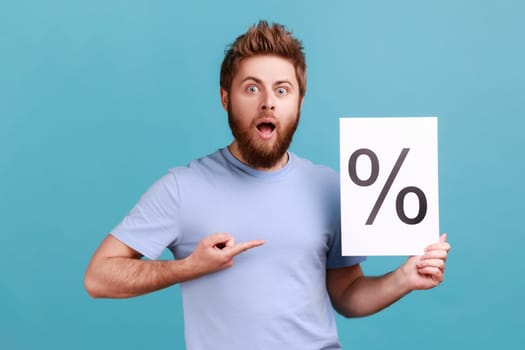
281	91
252	89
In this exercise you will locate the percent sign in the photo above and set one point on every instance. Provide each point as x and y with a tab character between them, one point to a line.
374	173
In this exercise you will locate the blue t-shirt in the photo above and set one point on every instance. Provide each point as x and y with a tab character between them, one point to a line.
274	296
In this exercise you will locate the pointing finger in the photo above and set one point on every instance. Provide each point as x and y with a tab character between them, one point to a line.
244	246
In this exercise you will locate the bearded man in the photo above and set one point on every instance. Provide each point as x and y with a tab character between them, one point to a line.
288	274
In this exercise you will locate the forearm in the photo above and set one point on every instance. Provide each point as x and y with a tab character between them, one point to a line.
117	271
354	295
123	277
368	295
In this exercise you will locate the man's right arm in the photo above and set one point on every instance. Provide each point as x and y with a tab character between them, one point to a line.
118	271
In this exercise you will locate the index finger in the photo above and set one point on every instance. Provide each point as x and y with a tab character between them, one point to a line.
244	246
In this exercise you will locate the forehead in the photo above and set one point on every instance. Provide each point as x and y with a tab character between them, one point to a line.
267	68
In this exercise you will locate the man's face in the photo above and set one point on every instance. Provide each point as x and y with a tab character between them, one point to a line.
263	110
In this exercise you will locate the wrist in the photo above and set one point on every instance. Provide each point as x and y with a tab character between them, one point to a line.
181	270
402	279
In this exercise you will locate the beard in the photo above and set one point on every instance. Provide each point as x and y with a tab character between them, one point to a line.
259	153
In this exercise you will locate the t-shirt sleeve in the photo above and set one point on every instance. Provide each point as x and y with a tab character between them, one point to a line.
153	224
335	258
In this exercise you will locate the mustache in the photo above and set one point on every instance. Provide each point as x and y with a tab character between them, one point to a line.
268	117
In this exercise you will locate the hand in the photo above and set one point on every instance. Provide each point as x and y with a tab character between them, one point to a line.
427	271
216	252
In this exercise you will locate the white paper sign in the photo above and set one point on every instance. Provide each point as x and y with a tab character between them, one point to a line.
389	185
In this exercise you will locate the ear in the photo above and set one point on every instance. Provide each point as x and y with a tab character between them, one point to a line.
301	103
224	99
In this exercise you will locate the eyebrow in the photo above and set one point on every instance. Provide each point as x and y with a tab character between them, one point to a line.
259	81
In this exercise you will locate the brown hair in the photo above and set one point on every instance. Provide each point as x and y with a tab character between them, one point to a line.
264	39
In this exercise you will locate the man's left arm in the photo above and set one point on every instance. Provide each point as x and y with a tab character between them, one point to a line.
356	295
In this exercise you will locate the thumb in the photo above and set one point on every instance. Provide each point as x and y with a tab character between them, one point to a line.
443	238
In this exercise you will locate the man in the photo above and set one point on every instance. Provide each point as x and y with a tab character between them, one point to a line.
275	289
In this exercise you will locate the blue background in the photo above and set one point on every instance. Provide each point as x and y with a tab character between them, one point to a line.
99	98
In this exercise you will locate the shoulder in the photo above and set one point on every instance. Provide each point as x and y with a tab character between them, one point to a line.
320	181
211	170
211	163
317	172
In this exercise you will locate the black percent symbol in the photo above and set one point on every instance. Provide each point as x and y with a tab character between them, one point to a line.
400	199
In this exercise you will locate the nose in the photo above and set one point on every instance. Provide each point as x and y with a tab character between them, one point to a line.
268	102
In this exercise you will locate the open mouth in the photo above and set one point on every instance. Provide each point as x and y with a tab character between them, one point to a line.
266	129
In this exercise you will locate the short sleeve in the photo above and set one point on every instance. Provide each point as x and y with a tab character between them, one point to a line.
335	258
153	224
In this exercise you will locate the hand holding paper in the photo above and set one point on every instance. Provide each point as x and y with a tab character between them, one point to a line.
426	271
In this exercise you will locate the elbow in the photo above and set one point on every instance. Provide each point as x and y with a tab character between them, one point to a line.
354	311
349	309
91	286
349	314
346	313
